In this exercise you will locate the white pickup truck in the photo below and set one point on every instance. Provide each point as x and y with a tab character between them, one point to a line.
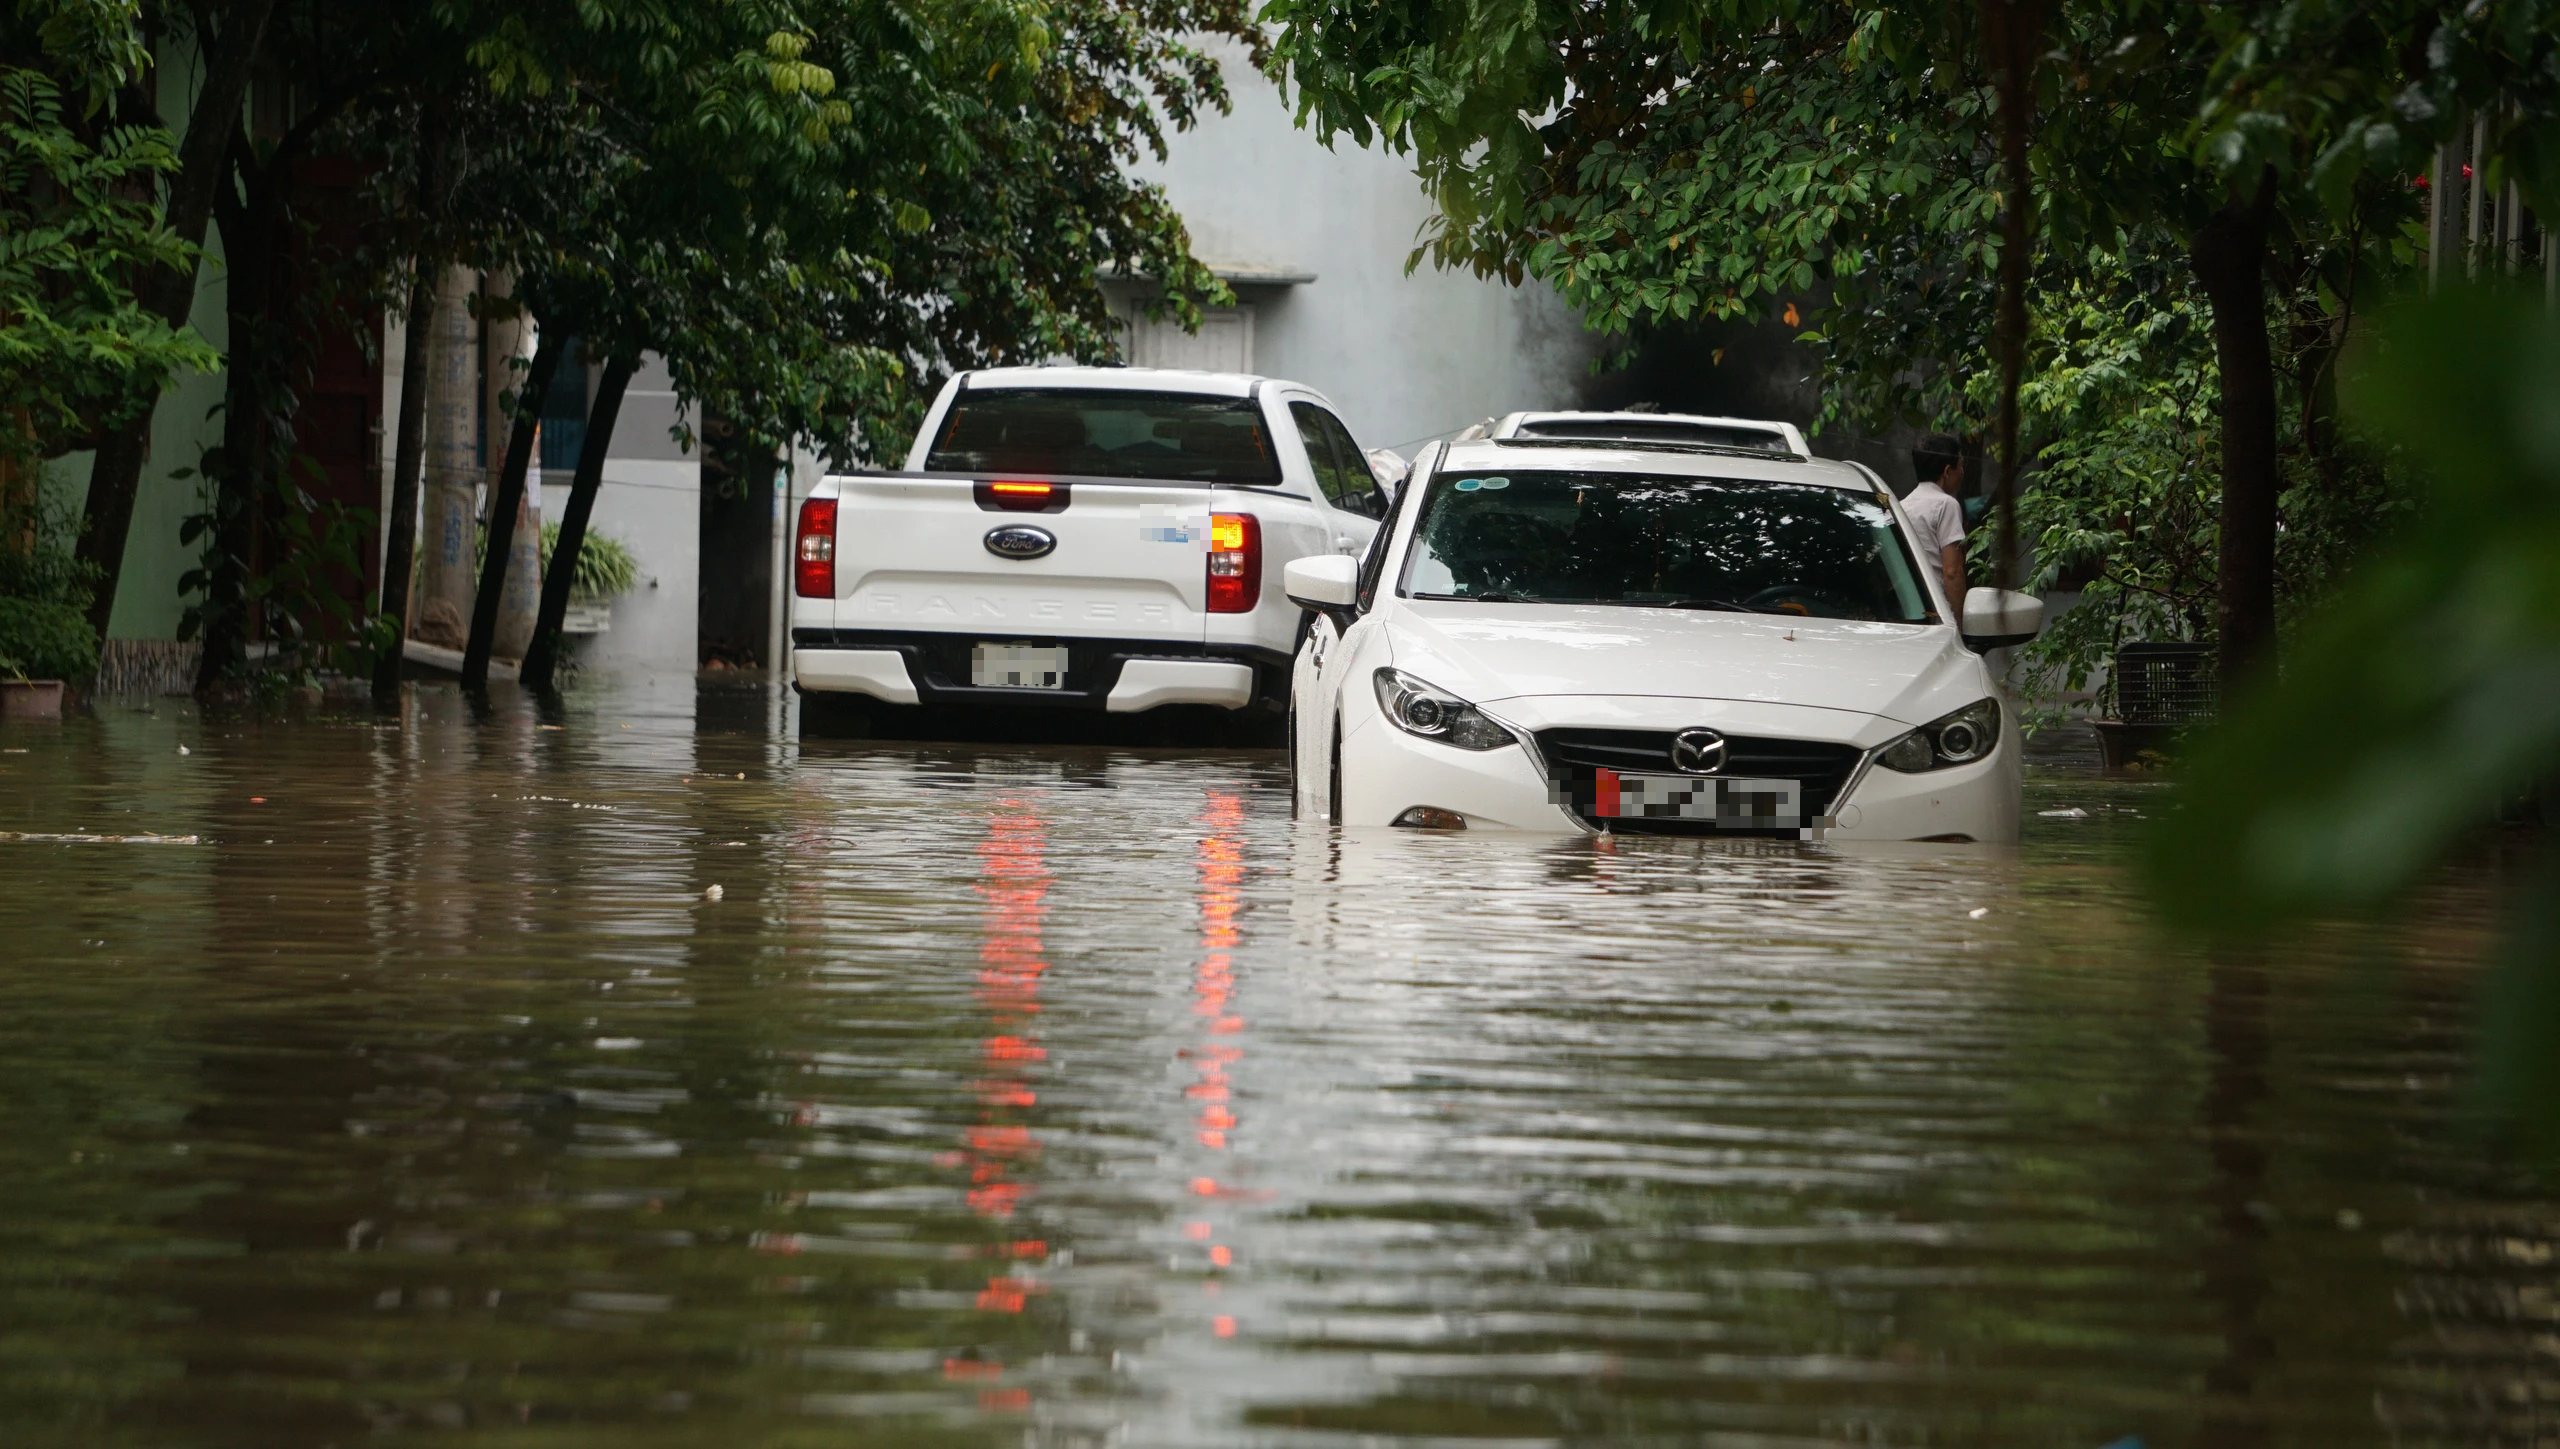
1077	538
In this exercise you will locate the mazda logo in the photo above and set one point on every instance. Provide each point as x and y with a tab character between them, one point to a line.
1020	540
1698	752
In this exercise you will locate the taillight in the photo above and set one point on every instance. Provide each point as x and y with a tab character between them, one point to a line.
1235	562
813	566
1021	495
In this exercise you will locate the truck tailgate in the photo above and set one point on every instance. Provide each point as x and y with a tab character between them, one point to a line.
911	553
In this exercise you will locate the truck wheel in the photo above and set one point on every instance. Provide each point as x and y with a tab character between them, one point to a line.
1251	729
825	715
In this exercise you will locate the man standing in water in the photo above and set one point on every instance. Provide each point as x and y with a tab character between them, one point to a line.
1936	516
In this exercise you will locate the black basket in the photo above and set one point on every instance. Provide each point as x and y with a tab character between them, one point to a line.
2166	683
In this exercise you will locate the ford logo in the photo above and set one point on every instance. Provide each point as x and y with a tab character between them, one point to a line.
1020	540
1698	752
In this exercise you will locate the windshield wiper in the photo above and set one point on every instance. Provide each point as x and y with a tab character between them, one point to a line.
1469	598
1725	605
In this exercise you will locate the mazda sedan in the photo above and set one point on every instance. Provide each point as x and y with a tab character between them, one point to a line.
1675	626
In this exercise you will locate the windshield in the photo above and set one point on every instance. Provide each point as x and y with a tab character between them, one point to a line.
1630	538
1107	433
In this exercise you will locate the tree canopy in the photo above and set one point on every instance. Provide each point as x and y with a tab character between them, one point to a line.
1667	160
810	208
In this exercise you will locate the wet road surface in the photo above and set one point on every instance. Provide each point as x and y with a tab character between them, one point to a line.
1080	1097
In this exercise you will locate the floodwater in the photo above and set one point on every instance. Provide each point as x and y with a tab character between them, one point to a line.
1010	1096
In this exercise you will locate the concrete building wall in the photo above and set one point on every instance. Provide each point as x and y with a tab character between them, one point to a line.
148	605
1405	357
651	502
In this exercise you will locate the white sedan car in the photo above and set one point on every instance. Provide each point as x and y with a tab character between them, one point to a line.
1652	625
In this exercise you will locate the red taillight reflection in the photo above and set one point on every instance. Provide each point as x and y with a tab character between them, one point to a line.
813	554
1235	563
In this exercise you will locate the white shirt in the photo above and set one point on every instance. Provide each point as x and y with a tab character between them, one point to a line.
1937	519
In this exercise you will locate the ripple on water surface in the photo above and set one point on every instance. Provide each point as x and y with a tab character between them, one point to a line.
1079	1096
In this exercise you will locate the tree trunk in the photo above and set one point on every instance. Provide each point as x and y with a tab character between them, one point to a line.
733	605
450	472
2015	31
2228	257
544	657
251	217
507	502
407	451
204	162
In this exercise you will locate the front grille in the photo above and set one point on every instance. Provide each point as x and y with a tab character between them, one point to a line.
1573	757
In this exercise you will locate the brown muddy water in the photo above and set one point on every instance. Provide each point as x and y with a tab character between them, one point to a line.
1011	1096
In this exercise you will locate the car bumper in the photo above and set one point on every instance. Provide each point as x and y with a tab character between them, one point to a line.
1386	772
1121	676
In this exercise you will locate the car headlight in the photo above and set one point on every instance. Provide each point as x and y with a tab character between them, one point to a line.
1435	714
1956	739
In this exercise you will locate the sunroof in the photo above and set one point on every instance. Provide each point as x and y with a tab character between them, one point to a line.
1672	431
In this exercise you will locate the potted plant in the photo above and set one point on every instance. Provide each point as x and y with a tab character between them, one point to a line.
606	571
45	636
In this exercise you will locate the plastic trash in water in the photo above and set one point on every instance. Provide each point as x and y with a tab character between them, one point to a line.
2074	813
711	893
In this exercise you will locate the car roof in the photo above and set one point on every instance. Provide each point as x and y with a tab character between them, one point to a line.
1667	430
1555	455
1124	379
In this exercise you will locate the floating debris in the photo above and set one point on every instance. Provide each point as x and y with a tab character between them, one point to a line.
1977	913
37	837
711	893
2074	813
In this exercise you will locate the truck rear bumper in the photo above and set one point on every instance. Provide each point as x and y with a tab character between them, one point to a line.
1122	676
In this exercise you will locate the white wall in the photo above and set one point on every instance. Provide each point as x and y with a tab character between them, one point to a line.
1406	358
654	509
651	500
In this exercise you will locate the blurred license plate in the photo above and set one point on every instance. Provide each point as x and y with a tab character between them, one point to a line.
1018	666
1726	804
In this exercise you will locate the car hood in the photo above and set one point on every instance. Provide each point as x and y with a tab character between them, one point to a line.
1491	652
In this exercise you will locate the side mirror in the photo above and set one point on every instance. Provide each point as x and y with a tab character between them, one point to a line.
1328	583
1997	618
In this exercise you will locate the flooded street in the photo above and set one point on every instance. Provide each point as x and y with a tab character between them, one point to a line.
1079	1096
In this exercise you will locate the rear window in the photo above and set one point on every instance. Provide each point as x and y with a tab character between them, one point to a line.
1107	433
1661	431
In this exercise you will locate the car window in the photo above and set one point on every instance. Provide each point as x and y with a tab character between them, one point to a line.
1107	433
1320	450
1359	481
1629	538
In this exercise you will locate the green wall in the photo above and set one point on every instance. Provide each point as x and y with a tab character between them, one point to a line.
147	601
